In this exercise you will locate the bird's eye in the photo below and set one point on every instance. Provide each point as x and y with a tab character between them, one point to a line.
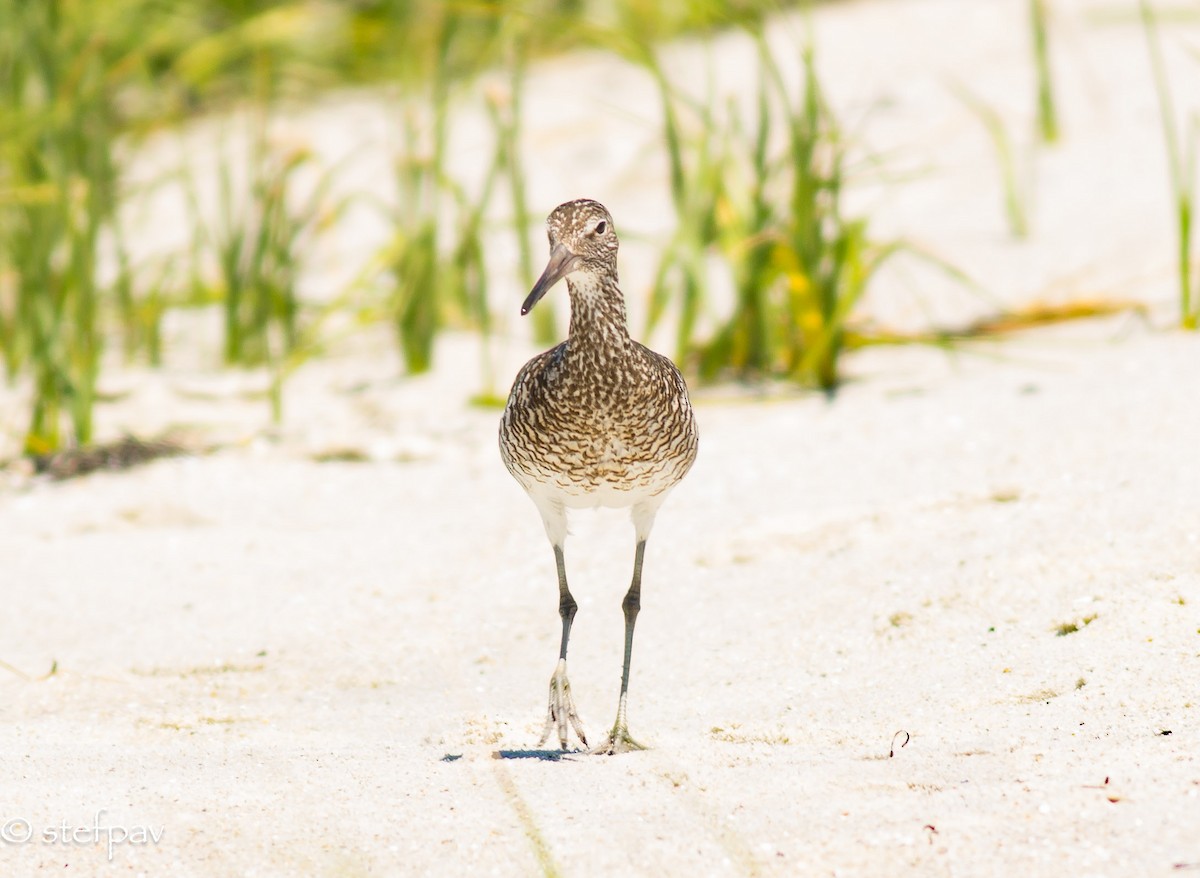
601	227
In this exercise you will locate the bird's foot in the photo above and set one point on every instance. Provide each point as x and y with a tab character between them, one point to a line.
562	709
618	741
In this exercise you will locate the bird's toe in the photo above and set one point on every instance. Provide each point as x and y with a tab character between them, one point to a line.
618	741
561	715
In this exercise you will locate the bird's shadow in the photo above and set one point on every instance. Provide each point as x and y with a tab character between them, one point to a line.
542	755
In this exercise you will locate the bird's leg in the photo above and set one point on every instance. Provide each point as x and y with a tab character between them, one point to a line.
562	706
618	740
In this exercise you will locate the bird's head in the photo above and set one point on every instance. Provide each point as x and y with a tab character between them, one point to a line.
582	239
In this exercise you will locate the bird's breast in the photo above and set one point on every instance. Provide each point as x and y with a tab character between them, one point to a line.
597	428
599	457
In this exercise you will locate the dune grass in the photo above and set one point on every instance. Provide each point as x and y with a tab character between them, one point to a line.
1015	194
799	263
758	191
699	161
437	271
81	77
58	188
1182	154
160	62
256	239
1047	106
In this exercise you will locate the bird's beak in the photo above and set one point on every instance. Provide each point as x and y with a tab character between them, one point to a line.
562	262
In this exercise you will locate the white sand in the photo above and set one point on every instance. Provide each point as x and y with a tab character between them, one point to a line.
293	667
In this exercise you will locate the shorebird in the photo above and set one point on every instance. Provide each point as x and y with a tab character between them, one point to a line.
599	420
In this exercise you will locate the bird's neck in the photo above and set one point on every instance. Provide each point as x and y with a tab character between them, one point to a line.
597	311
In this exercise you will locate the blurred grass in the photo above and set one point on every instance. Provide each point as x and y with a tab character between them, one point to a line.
81	81
700	160
765	195
1047	106
1183	150
257	239
83	78
434	282
58	190
1015	197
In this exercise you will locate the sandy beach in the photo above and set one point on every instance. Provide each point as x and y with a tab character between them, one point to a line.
946	622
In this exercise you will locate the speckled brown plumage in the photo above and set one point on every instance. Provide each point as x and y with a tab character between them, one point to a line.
599	420
600	417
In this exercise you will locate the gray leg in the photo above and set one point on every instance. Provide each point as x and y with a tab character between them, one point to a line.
618	740
566	603
562	706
